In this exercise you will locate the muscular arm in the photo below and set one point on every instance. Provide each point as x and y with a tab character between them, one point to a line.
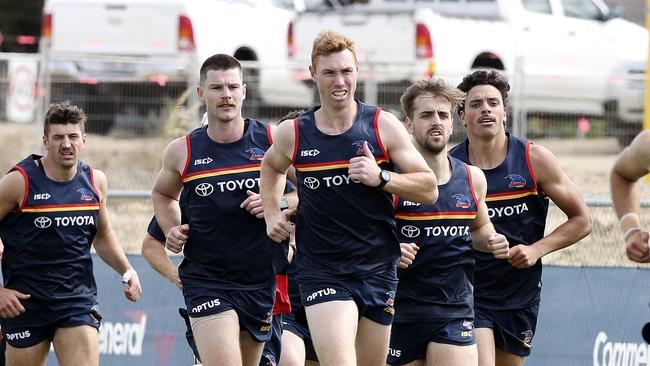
632	164
12	191
415	182
165	192
564	193
154	252
108	247
277	161
484	237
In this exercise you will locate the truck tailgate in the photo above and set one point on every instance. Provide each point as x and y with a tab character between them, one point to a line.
372	46
107	27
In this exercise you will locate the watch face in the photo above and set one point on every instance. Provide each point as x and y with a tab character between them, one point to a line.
385	175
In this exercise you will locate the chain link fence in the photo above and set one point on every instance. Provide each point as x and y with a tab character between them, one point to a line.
132	119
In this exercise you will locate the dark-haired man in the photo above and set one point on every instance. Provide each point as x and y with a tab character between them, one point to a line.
228	272
434	314
52	209
521	178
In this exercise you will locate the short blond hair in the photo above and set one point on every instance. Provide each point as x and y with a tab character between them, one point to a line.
329	42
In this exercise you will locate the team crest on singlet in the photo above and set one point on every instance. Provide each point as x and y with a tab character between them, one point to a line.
516	181
359	145
461	200
256	154
86	195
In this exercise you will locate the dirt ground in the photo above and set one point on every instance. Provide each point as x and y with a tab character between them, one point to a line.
131	163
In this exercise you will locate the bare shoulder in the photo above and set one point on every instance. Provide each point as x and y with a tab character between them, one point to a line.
392	130
284	136
478	180
14	180
634	161
388	120
640	149
542	159
175	154
477	175
12	189
284	129
99	177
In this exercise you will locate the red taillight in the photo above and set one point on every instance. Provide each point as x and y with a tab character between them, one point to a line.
22	39
423	47
46	26
290	46
185	34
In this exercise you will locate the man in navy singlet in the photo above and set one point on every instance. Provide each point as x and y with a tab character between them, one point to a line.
630	166
229	266
521	177
434	313
52	209
153	250
343	152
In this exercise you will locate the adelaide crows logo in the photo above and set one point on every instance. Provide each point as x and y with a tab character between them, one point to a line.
461	200
86	195
516	181
256	153
359	145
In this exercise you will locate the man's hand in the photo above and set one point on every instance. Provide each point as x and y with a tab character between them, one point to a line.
523	256
280	227
133	291
498	245
409	250
364	168
253	204
636	246
10	305
177	237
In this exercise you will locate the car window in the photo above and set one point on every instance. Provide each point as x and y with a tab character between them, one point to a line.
537	6
581	9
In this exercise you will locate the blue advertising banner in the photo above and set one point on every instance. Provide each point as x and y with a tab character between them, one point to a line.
592	316
588	316
148	332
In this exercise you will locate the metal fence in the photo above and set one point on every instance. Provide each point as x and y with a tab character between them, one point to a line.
131	121
142	97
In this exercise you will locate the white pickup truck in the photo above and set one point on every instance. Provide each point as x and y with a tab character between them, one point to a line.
558	54
120	58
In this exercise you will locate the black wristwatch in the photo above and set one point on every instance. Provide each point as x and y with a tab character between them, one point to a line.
384	177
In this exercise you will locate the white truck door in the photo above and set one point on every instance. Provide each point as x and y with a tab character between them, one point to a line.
589	62
540	44
110	27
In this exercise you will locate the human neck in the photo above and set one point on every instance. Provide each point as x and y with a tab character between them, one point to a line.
336	121
56	172
488	153
439	163
226	132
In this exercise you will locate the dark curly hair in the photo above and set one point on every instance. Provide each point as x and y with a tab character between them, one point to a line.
485	77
